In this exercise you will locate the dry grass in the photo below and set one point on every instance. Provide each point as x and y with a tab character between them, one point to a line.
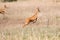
46	28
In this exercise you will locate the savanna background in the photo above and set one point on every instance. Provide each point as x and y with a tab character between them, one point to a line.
47	27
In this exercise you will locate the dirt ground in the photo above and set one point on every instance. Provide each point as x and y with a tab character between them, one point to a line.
47	27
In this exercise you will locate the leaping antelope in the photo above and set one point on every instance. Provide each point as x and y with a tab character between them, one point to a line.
32	18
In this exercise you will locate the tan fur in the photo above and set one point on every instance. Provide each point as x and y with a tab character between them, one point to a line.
32	18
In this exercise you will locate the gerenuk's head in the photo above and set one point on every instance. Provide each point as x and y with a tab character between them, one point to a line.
37	9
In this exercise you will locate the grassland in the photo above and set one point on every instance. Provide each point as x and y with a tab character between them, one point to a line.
46	28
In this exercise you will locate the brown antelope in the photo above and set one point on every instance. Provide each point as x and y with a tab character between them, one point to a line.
32	18
2	10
